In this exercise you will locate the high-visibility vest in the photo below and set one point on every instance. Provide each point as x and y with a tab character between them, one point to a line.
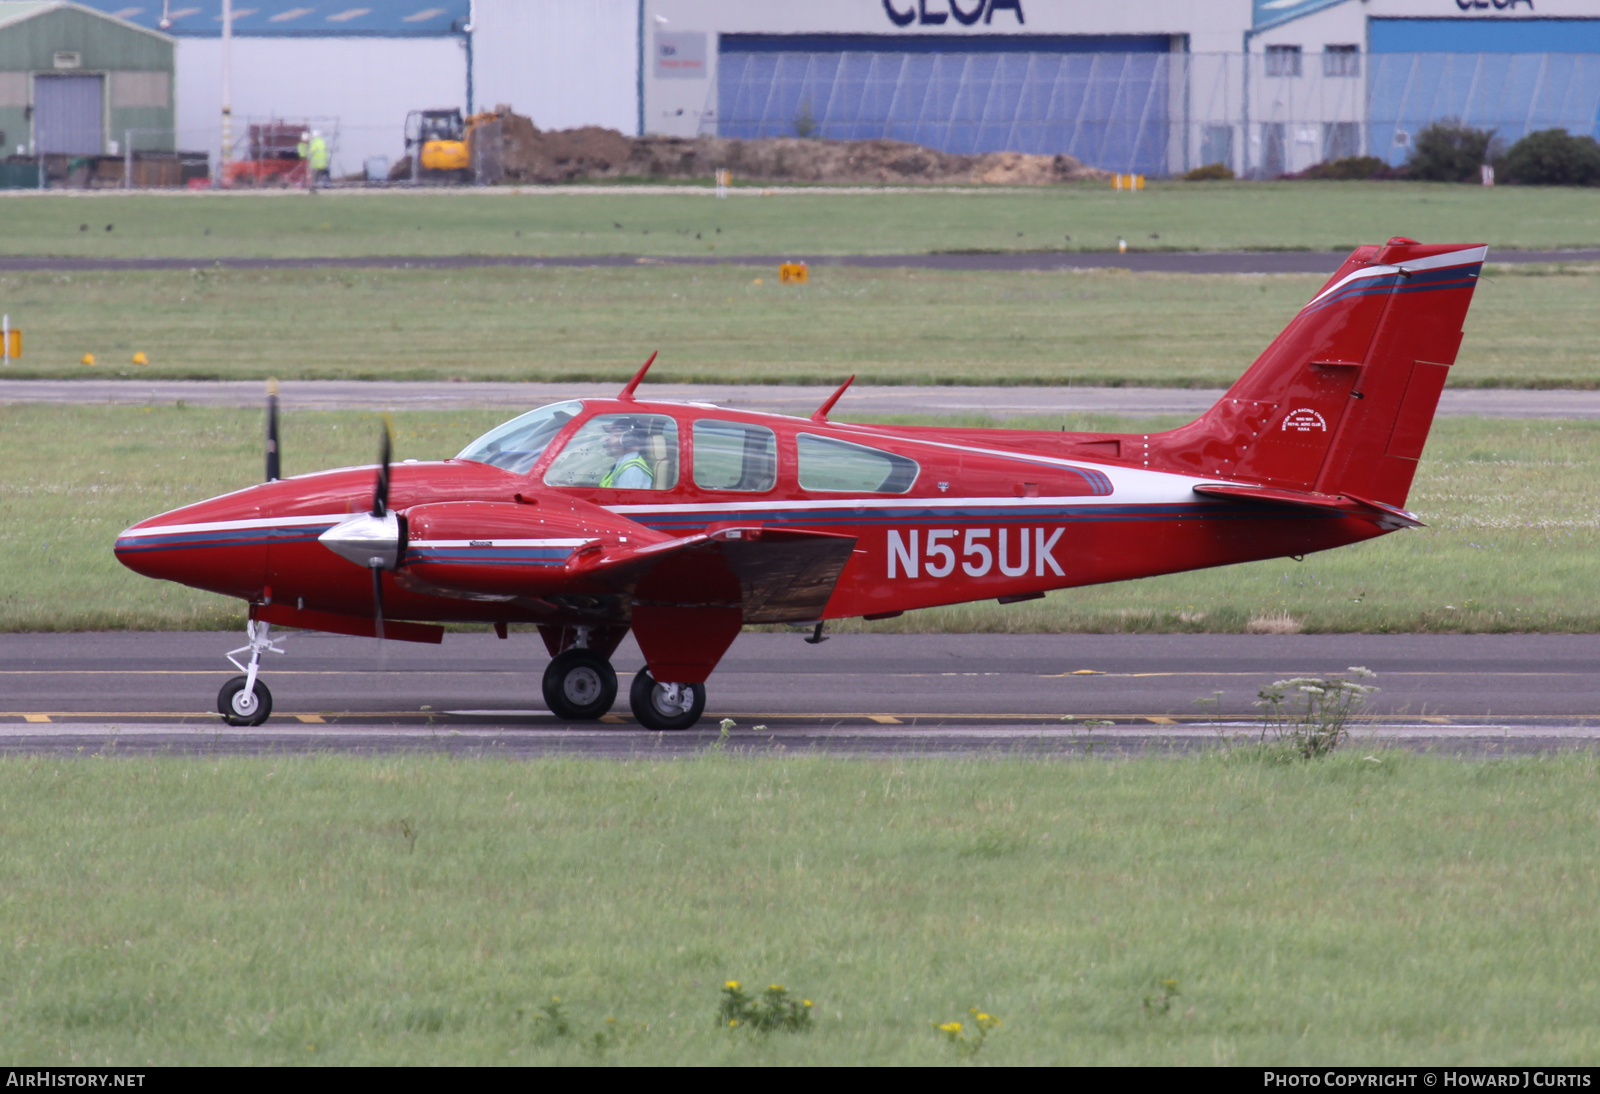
319	154
634	460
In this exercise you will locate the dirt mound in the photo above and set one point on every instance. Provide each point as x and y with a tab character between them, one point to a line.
516	150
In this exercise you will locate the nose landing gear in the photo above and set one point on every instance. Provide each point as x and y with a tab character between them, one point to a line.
245	700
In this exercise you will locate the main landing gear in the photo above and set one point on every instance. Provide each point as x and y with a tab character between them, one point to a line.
245	700
665	706
580	685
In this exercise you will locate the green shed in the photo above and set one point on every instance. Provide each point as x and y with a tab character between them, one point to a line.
74	81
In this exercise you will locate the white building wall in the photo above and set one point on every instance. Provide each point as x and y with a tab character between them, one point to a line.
367	83
563	63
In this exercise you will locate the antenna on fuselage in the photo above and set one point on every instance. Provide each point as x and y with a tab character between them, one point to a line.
821	416
272	432
626	394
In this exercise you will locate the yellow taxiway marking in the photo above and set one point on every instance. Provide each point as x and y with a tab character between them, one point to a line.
36	717
310	719
1434	720
1084	672
884	719
1160	721
611	719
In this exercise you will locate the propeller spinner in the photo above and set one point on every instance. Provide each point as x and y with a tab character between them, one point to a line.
374	540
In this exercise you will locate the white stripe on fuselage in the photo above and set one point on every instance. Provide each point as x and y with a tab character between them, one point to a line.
490	541
236	525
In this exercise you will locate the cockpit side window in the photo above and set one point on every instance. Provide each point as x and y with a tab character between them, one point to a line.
734	456
620	452
828	464
518	444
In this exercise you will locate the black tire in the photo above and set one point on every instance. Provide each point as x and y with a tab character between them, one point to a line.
239	709
657	709
579	685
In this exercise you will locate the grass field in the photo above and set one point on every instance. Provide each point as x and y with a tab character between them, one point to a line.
1529	326
1174	215
1511	544
1398	910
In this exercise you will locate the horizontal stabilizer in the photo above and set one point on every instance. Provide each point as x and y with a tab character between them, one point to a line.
1387	516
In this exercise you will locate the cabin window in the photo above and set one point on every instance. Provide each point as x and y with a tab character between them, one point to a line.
620	452
517	445
827	464
734	456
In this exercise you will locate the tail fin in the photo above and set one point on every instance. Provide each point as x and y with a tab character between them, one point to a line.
1342	400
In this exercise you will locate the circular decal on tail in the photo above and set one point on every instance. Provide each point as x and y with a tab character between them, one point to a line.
1304	420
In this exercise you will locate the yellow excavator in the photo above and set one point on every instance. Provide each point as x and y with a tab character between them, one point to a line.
439	143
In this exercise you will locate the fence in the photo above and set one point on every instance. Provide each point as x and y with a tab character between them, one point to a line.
1152	113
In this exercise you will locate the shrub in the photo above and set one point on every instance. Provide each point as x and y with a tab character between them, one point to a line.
1554	157
1447	151
1209	172
1351	167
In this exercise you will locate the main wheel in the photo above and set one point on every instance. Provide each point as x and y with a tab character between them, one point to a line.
242	708
579	685
665	706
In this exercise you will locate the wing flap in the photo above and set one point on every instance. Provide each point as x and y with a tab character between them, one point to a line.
772	575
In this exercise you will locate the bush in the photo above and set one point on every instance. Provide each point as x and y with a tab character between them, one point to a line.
1209	172
1447	151
1351	167
1553	157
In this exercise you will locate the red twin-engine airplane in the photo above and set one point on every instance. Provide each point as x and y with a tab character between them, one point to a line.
684	521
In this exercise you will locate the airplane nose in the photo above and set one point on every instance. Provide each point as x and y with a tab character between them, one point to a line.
223	552
368	541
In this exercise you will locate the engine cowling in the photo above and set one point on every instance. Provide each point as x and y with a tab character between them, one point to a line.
506	549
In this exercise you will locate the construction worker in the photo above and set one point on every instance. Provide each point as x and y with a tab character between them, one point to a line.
625	440
319	157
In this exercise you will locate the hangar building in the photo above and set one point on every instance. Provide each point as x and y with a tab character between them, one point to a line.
75	82
1157	86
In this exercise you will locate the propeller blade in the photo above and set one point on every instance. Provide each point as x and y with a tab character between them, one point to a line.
272	431
377	599
380	496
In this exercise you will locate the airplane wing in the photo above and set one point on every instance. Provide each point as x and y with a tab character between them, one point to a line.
1386	515
772	575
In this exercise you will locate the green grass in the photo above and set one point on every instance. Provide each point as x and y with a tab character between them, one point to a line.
1511	544
1183	216
1529	327
1394	910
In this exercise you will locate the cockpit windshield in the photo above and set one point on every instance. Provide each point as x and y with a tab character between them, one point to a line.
518	444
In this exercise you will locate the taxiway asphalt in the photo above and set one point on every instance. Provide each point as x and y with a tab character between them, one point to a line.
854	694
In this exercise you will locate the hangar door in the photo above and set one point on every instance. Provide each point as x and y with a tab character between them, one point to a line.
68	114
1513	76
1105	100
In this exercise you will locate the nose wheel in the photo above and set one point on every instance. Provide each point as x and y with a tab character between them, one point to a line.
243	705
665	706
579	685
245	700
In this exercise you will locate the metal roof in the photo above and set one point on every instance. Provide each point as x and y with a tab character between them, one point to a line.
293	18
15	11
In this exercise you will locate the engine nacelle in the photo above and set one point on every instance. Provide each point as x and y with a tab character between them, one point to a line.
504	549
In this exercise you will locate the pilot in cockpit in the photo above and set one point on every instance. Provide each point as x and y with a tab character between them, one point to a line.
625	441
